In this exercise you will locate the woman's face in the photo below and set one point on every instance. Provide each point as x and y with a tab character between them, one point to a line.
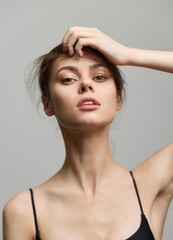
73	78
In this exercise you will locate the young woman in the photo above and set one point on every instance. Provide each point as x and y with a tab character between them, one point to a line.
92	196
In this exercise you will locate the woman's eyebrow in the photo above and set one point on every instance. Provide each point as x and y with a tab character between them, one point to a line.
75	69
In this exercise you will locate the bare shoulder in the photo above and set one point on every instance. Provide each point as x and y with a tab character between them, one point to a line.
154	176
157	171
18	217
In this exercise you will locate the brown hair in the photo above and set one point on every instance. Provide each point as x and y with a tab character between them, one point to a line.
42	66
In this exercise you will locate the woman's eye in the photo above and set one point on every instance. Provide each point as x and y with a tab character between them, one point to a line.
100	77
64	80
69	80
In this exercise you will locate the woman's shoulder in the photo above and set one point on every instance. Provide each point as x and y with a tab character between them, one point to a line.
18	203
154	177
156	172
17	215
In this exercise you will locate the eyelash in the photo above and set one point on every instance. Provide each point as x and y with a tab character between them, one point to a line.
74	79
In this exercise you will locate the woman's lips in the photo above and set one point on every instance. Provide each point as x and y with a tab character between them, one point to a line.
89	107
87	99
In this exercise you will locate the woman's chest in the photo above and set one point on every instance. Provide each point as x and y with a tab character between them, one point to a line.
115	217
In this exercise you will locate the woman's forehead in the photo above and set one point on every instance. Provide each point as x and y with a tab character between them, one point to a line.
89	55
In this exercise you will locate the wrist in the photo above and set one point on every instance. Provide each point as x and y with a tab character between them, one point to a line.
130	56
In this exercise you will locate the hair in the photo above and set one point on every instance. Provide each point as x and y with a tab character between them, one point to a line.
42	66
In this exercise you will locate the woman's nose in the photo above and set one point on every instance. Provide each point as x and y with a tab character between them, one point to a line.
86	86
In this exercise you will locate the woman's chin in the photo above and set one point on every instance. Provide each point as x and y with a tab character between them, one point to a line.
85	125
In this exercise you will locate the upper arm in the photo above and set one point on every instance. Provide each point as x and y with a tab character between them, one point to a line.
16	216
158	169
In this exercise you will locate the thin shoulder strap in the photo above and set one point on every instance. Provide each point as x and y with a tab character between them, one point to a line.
35	215
137	192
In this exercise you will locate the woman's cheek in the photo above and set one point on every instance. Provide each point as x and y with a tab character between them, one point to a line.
63	103
57	99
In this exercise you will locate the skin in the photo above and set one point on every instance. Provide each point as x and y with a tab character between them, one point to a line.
92	196
88	160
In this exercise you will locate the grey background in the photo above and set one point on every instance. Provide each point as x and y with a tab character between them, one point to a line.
32	148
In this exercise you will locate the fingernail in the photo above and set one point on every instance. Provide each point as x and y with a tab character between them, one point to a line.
64	49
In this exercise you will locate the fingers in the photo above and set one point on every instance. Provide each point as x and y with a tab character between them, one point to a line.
72	39
84	42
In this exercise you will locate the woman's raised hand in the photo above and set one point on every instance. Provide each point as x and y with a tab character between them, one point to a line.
77	37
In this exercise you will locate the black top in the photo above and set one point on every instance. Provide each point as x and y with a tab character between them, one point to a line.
143	232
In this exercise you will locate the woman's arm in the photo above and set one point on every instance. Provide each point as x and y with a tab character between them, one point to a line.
158	169
158	60
77	37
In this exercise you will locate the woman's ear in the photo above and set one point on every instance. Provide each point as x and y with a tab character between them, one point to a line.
118	103
48	106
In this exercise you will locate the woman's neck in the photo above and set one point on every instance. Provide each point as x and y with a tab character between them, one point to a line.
88	161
